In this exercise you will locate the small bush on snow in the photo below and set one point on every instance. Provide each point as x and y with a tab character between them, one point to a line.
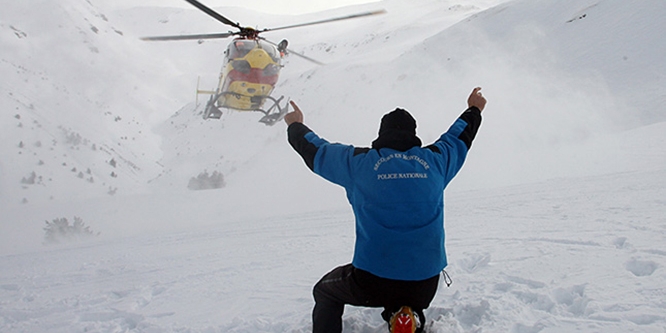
59	230
205	181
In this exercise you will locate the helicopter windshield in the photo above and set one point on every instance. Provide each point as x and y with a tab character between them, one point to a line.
271	50
239	48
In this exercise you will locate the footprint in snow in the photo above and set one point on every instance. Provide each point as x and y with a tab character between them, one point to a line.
474	262
641	267
620	242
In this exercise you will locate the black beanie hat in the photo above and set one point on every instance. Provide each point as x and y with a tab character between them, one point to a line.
397	131
398	119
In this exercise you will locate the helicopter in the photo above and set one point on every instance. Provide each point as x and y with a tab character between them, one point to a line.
251	67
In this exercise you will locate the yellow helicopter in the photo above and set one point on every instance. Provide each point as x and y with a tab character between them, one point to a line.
251	67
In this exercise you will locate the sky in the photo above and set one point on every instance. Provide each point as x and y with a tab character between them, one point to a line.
293	7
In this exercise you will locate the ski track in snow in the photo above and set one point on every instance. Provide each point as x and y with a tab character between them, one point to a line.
564	255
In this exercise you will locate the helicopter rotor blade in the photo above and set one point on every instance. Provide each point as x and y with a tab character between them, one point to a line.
305	57
189	37
376	12
213	14
289	51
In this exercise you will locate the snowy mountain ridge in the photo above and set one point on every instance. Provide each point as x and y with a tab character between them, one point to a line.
570	71
64	121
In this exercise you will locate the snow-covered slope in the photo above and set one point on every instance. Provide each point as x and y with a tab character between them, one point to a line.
77	114
575	254
565	178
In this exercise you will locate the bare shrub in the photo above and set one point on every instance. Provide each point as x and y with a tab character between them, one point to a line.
59	230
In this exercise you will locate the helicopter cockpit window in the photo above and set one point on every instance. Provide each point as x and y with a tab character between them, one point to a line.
240	48
270	50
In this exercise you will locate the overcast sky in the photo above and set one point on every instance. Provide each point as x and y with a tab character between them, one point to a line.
267	6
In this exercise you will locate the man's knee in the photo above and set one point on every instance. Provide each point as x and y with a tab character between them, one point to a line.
334	286
323	293
317	292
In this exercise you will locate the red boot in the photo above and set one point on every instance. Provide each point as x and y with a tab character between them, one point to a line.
404	321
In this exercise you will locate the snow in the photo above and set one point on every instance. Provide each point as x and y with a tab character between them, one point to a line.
556	222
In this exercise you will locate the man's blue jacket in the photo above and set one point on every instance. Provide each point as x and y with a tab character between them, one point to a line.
397	195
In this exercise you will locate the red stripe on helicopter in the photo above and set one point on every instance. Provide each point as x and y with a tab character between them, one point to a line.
255	75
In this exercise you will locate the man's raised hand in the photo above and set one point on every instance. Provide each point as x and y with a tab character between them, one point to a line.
476	99
295	116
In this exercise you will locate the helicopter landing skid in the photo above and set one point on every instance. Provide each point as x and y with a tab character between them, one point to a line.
211	110
271	116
